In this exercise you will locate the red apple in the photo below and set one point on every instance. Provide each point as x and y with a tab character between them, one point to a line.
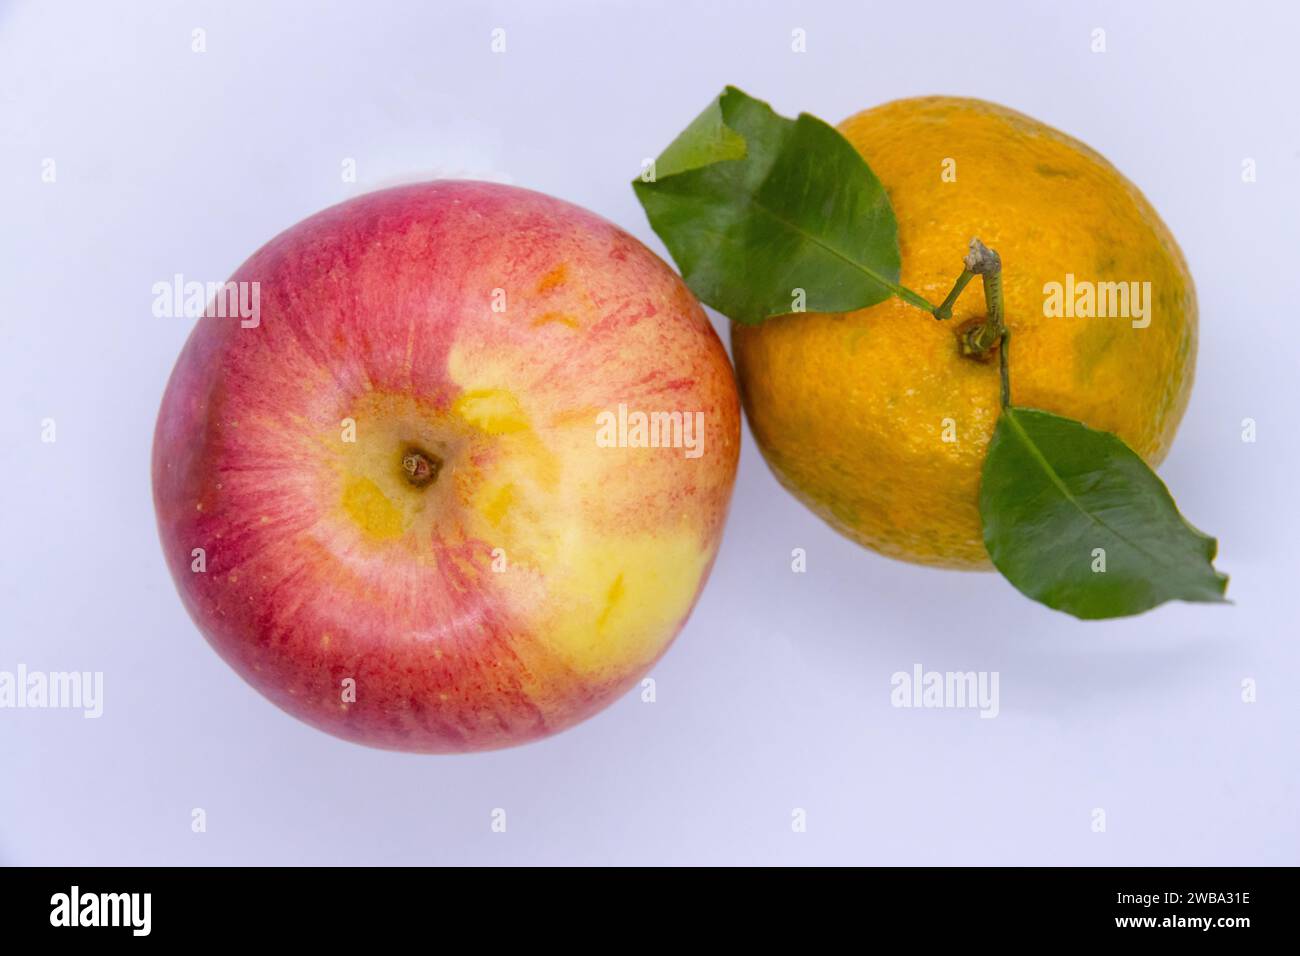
410	501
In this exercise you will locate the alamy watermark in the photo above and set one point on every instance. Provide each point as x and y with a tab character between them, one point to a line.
58	690
1083	299
634	429
213	300
129	910
973	690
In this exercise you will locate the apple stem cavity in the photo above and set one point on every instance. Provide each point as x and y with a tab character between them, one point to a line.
420	467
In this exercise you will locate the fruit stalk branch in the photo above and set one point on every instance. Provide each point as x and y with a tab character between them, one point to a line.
1003	367
978	340
944	312
985	262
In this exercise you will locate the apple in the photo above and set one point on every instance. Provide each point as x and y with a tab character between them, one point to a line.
460	482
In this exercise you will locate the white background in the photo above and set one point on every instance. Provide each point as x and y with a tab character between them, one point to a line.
776	695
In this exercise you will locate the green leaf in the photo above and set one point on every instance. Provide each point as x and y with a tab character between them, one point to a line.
1054	491
753	206
706	141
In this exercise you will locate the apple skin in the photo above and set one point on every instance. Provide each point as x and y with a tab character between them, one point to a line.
539	575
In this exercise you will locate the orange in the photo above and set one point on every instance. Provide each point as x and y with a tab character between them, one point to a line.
875	420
